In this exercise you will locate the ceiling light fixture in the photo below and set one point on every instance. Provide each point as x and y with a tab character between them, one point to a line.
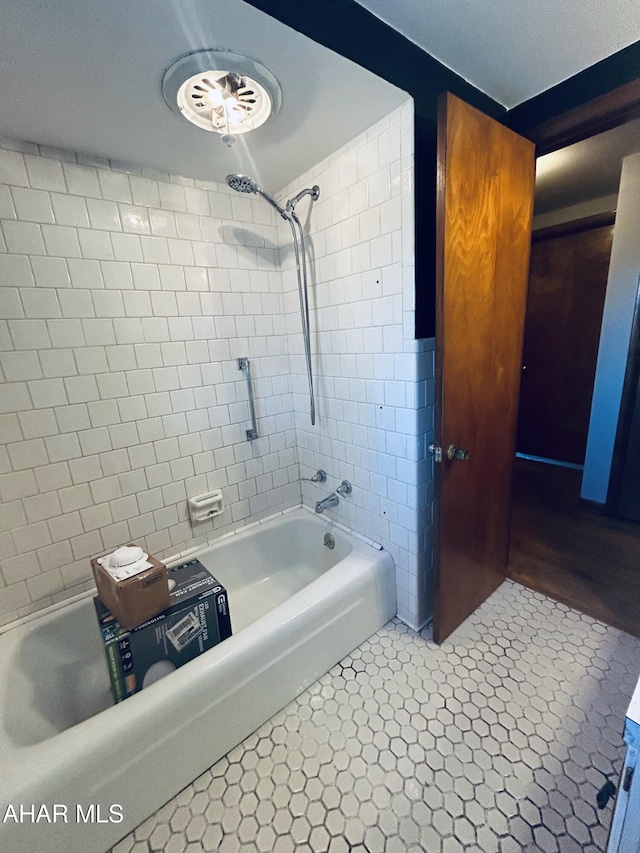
222	92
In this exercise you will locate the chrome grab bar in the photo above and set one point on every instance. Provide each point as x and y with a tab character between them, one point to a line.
243	364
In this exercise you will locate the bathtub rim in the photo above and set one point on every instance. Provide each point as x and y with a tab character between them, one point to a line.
192	554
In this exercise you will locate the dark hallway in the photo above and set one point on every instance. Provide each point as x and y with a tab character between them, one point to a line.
583	559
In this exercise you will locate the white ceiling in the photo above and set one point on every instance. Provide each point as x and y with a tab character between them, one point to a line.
514	49
85	75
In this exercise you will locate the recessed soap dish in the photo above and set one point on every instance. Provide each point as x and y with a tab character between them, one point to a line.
204	507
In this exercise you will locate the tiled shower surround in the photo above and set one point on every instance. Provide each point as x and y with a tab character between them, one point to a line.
495	742
126	298
375	381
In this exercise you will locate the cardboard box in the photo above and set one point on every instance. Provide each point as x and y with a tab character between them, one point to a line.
136	599
197	620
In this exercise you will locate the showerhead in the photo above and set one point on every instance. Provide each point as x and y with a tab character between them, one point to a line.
242	183
245	184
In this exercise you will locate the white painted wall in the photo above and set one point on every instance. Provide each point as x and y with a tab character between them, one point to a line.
622	288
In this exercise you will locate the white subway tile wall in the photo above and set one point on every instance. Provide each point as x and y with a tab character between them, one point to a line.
374	382
125	301
126	298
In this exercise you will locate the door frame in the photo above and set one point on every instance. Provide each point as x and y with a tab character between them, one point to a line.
604	113
575	226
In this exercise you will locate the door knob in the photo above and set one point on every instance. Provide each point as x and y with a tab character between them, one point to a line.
454	452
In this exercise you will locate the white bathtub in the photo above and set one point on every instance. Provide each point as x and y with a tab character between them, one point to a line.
297	607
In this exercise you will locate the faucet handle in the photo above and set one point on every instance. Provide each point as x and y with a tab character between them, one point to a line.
344	488
319	477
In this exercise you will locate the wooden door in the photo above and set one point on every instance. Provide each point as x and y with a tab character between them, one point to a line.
567	284
484	201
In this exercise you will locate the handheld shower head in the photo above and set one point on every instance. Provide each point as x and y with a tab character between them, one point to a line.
242	183
245	184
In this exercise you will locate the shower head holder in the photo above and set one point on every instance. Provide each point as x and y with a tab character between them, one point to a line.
313	191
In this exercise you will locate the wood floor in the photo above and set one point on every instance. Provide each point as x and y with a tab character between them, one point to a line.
571	553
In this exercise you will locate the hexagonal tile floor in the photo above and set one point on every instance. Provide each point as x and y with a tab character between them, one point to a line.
497	741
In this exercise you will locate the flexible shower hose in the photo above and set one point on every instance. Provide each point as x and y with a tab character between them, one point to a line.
301	267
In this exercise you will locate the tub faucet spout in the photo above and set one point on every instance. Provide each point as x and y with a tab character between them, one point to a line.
325	503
